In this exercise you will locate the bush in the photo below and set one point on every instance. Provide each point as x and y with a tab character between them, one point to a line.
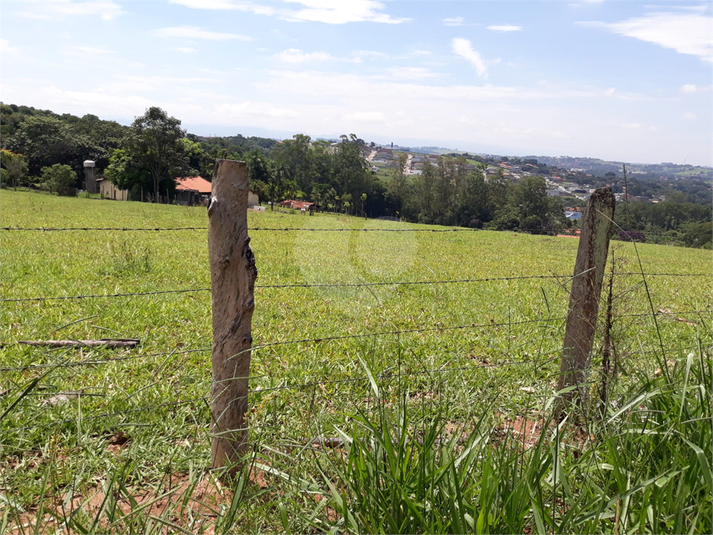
58	178
699	235
632	235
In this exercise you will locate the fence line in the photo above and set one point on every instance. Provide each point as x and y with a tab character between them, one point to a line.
380	376
100	361
327	339
259	229
341	285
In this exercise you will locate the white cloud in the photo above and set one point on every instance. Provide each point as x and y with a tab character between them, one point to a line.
686	33
45	9
410	73
249	109
193	32
225	5
689	116
453	21
127	83
463	48
82	101
504	28
85	51
369	53
326	11
6	50
693	88
294	55
365	117
340	12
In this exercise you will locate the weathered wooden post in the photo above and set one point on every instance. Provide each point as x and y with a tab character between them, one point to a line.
232	274
584	297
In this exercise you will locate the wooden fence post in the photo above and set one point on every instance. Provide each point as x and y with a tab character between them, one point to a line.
584	297
232	274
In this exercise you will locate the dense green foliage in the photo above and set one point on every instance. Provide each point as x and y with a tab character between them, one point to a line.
58	178
670	222
46	138
451	190
14	169
155	149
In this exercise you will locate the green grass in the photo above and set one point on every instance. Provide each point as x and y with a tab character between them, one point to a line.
426	382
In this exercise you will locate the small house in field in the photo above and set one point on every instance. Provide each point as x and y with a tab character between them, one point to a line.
302	206
191	190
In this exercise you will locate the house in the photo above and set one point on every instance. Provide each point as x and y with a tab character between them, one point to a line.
302	206
192	190
108	190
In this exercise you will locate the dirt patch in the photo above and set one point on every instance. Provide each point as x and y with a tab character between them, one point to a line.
187	502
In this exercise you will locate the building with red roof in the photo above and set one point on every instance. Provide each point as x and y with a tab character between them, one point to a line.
193	183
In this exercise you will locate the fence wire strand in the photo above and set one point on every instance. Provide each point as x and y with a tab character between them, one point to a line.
340	285
312	384
672	315
258	229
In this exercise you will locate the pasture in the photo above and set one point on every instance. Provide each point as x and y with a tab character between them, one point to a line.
118	440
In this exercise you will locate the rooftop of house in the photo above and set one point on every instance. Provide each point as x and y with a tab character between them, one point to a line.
298	205
193	183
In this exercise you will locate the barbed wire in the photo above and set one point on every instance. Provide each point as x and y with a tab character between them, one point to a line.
286	342
258	229
123	229
97	362
380	376
339	285
316	340
283	387
117	413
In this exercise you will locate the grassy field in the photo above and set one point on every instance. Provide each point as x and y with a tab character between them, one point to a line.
119	440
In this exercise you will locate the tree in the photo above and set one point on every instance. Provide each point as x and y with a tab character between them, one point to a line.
14	165
58	177
475	207
46	141
350	166
276	184
156	145
258	166
125	172
295	159
398	183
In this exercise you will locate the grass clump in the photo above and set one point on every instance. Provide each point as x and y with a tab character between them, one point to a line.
648	471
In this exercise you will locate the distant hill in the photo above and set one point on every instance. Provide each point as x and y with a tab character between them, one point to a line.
599	167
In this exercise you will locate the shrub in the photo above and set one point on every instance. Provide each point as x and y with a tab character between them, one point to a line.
632	235
58	178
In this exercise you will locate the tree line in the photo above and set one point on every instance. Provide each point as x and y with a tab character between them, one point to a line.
43	149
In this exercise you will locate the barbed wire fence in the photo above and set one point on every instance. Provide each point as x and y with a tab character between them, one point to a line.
282	383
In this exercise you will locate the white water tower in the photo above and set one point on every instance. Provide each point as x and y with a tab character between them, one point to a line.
90	180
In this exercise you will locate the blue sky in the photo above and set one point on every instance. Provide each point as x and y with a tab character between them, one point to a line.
623	80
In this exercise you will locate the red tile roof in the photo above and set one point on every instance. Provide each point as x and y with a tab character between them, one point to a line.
299	205
193	183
